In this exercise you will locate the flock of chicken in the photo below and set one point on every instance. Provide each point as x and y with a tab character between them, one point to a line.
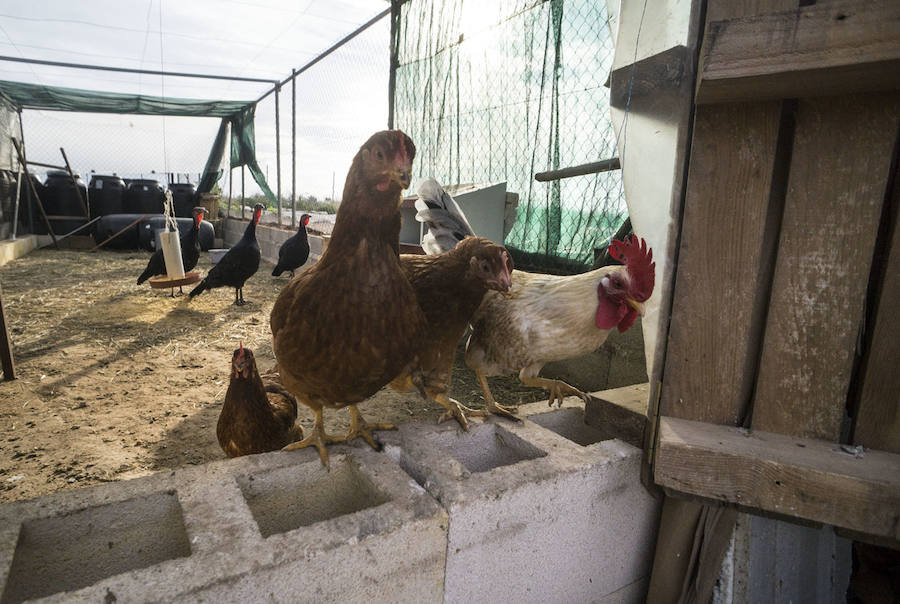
365	316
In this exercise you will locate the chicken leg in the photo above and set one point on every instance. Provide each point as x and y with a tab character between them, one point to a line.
490	404
558	389
360	427
317	437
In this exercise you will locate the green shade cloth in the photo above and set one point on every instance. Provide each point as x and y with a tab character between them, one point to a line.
498	90
238	114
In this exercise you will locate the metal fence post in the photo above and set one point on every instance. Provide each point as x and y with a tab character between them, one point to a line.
293	148
278	154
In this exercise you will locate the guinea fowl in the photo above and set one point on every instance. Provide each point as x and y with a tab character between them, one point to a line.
237	265
294	252
258	414
350	323
190	252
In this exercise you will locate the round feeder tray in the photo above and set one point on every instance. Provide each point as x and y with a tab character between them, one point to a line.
163	281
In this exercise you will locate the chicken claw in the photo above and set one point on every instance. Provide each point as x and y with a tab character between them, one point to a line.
558	389
317	437
360	427
458	411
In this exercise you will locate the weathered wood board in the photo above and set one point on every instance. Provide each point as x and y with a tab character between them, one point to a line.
723	240
878	414
838	176
838	47
810	479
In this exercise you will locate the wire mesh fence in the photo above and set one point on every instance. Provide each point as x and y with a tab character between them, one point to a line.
493	91
499	91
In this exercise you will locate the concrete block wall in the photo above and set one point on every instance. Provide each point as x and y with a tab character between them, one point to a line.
270	240
540	511
275	527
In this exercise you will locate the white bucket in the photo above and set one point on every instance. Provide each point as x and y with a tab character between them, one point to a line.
171	247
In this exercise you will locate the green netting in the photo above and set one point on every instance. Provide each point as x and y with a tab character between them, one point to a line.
36	96
501	89
238	114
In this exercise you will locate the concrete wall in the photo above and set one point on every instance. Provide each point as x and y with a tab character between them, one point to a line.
270	240
506	512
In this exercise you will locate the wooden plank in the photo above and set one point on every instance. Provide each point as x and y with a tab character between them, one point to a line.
878	414
803	478
839	170
6	356
839	47
723	240
717	10
620	411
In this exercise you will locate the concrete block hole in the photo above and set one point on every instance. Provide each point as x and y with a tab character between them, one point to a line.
75	550
285	499
569	423
486	447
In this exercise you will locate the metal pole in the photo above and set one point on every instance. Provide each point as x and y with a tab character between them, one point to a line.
230	178
143	71
242	191
604	165
330	50
293	148
278	154
392	78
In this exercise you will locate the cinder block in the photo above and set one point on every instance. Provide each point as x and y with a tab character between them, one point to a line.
274	527
546	510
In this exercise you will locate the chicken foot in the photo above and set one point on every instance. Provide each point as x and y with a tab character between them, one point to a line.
360	427
317	437
558	389
491	404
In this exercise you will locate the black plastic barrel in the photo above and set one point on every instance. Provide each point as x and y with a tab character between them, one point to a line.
183	198
62	197
106	194
149	227
113	223
144	196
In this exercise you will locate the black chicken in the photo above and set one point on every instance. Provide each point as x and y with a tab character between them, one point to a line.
294	252
190	252
258	414
237	265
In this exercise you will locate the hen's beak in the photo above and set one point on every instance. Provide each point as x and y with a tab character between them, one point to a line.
638	306
402	176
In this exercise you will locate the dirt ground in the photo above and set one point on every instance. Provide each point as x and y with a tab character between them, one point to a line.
117	381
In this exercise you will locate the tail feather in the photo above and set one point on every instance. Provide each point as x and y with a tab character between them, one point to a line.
145	275
447	225
277	271
201	287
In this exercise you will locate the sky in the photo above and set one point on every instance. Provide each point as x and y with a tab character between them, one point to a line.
340	101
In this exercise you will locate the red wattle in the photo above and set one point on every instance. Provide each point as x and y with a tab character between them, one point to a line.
609	314
628	321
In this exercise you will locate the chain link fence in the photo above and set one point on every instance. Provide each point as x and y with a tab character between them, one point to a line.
501	90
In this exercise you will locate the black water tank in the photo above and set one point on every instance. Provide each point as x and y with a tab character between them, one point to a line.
106	194
111	224
62	197
183	198
144	196
149	227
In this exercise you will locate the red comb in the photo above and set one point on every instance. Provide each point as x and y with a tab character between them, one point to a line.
638	260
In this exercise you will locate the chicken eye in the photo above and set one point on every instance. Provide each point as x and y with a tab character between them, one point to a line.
379	154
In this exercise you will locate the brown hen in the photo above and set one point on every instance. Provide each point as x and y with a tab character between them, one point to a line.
351	323
258	414
449	288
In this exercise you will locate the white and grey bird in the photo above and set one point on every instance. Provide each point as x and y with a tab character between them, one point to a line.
446	223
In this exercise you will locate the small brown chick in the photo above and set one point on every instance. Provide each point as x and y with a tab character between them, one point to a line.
258	415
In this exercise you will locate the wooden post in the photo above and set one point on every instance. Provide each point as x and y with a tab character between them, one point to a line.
6	358
84	204
34	192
